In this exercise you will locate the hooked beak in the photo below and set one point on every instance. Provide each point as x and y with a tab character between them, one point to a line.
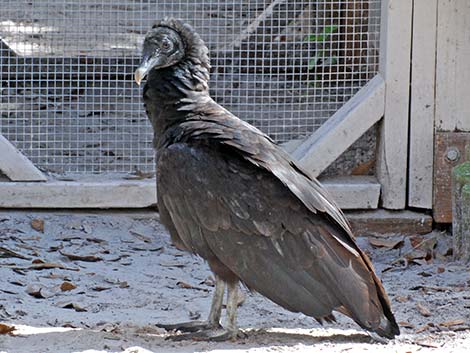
143	69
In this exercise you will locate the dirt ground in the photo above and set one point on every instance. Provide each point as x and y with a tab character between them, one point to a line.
98	282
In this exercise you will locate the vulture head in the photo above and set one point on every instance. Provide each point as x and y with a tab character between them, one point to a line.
171	42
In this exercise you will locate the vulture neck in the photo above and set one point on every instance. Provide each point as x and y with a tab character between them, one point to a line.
179	92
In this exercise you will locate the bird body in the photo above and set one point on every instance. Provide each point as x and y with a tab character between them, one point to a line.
229	194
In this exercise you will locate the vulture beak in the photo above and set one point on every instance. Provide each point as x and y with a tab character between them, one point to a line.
142	71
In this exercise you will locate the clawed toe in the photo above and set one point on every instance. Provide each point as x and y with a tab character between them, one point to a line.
214	335
191	326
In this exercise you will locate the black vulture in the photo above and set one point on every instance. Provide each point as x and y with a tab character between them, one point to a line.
231	195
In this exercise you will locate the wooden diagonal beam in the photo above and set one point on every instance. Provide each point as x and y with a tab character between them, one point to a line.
15	165
340	131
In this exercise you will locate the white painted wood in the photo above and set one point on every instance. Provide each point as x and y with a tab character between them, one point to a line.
423	68
291	146
15	165
395	51
340	131
350	193
354	192
453	66
74	194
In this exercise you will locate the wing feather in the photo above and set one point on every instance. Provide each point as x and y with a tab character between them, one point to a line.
247	218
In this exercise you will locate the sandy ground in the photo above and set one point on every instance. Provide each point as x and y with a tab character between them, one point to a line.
134	278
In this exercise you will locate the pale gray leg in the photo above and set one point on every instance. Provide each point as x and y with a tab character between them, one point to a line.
213	320
214	332
232	307
217	299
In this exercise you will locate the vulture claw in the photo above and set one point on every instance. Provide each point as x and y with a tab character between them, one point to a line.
212	335
191	326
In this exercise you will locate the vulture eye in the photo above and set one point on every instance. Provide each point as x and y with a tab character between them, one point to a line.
166	45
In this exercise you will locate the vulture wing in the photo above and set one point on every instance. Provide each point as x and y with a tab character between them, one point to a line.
230	191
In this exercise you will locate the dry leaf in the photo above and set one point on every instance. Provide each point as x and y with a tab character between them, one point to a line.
402	299
185	285
48	266
66	286
144	238
452	323
38	261
39	292
422	328
364	168
386	243
100	289
85	258
4	252
423	310
425	274
38	224
5	329
441	270
416	240
406	324
123	284
74	306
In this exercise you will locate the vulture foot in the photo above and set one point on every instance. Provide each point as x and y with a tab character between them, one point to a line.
214	335
191	326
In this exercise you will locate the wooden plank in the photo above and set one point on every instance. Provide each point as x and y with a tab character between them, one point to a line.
350	192
353	192
385	222
339	132
395	50
423	68
452	71
15	165
451	149
74	194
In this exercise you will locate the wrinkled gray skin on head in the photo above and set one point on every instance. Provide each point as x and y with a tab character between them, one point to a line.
163	47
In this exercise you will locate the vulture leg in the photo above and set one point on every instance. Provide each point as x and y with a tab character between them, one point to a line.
212	322
214	332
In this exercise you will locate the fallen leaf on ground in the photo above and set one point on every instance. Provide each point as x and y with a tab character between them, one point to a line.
441	269
386	243
73	306
38	224
4	252
5	329
452	323
427	344
39	292
185	285
67	286
48	266
85	258
434	288
402	298
425	274
144	238
100	289
123	285
172	264
406	324
423	310
422	328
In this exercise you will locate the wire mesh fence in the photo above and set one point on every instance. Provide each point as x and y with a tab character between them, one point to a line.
68	100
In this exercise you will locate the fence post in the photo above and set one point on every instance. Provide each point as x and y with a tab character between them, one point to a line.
392	151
